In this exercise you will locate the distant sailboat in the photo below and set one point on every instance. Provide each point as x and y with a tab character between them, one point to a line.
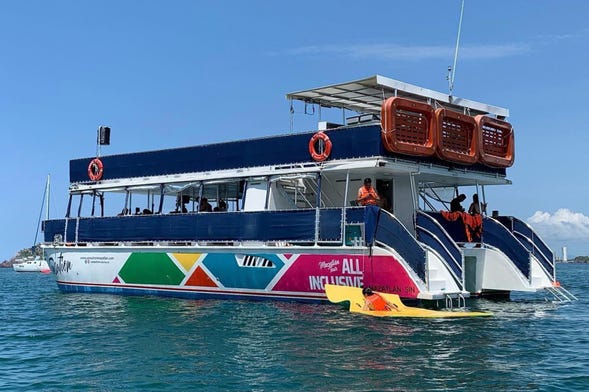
36	264
32	265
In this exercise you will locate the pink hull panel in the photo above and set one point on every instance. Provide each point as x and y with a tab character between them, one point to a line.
309	273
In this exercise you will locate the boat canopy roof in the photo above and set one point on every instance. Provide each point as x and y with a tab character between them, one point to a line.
367	95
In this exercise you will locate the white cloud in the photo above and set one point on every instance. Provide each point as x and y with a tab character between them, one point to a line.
551	39
563	225
400	52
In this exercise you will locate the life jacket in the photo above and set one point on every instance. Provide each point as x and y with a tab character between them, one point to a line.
376	302
367	192
473	224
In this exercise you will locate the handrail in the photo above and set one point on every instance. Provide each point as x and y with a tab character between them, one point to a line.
390	231
534	242
544	263
497	235
280	189
431	233
494	234
297	225
291	225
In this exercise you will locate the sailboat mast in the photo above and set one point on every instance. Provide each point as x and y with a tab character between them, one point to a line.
47	190
45	201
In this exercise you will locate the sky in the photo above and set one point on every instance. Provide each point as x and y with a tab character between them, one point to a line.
166	74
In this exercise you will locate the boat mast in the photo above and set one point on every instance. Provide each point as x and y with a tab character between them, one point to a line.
47	190
44	203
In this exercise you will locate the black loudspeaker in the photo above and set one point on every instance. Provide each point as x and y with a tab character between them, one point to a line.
104	136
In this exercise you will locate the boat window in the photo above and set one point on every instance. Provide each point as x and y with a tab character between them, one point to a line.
157	199
222	196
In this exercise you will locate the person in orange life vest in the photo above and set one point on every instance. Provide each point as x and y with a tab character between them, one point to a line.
374	301
367	194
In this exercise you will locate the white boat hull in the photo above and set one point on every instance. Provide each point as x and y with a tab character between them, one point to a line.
31	266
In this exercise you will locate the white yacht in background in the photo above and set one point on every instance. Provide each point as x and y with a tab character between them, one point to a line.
31	265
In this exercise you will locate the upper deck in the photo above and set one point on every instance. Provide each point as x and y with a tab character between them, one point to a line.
354	146
361	145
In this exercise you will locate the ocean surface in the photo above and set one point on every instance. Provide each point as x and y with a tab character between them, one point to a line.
50	341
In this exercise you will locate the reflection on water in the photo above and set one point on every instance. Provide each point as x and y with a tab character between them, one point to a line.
55	341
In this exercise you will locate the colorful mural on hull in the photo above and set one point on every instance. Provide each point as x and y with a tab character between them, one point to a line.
267	272
312	272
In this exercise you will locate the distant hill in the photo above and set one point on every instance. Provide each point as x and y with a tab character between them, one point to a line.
22	254
581	259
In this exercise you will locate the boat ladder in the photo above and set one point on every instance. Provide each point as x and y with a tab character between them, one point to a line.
460	301
560	294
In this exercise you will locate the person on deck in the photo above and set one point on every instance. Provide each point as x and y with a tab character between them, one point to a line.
181	201
374	301
367	194
455	205
221	206
475	206
205	206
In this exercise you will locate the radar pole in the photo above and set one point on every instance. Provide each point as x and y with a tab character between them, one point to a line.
452	69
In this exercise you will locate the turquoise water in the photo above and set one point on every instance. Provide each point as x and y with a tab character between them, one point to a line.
51	341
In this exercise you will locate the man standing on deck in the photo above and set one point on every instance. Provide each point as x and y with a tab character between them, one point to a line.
367	194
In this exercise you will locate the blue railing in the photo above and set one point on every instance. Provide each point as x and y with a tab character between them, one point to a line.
292	225
296	225
431	233
495	234
528	237
391	232
455	229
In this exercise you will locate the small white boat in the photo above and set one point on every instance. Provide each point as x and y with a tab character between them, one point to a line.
32	265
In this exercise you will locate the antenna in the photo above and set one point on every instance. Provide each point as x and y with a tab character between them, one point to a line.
452	69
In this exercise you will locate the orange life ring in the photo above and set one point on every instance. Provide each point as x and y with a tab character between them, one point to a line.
320	146
95	169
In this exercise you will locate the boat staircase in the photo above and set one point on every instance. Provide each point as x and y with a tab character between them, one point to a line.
299	191
560	294
442	278
530	260
537	247
432	236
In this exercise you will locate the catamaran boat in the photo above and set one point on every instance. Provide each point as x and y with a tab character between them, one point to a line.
277	217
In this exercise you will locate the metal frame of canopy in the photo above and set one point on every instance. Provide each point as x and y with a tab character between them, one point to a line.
367	95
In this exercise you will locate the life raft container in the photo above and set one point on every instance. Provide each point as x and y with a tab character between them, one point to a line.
496	142
457	137
408	127
95	169
320	146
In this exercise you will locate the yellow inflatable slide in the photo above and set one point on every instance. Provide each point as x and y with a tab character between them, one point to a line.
353	295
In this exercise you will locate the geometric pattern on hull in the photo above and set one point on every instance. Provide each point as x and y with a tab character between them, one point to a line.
200	278
225	267
151	268
187	260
